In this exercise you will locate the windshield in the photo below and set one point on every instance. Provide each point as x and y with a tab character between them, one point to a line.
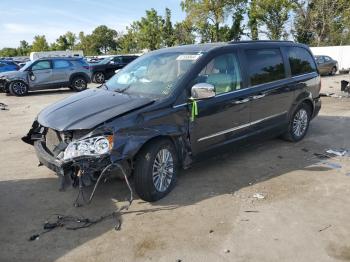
153	75
28	64
105	60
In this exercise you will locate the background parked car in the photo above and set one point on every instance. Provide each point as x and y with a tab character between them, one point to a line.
105	69
326	65
6	66
47	73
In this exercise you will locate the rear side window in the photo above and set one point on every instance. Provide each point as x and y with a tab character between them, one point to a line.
264	65
58	64
301	61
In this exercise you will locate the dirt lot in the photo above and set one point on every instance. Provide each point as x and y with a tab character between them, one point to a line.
210	216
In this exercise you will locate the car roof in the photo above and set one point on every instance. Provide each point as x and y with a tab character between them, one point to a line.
210	46
61	58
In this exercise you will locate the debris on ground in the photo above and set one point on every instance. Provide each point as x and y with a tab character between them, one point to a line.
337	152
227	251
251	211
75	223
305	150
259	196
211	231
3	106
330	95
323	229
322	156
331	165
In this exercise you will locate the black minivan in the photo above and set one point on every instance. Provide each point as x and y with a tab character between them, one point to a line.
162	110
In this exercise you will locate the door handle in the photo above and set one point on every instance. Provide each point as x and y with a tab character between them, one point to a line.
258	96
241	101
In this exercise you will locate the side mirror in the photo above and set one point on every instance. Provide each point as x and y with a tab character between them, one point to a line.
202	91
116	71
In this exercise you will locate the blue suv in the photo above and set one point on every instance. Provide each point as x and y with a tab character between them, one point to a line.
6	66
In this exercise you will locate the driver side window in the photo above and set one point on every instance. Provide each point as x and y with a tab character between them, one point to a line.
223	73
42	65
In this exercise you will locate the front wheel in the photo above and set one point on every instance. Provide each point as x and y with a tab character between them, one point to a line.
298	124
18	88
99	77
155	170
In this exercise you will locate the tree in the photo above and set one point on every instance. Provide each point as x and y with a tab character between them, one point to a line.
150	30
237	30
23	48
203	13
168	30
40	44
71	40
8	52
183	33
273	14
253	22
128	41
87	44
104	39
322	22
61	43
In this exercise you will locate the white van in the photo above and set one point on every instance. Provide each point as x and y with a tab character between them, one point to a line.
68	53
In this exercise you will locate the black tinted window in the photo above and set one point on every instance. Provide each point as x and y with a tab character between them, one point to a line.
301	61
265	65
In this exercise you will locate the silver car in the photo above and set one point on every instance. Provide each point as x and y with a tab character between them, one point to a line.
47	73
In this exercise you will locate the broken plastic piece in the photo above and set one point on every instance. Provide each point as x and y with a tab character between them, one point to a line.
258	196
337	152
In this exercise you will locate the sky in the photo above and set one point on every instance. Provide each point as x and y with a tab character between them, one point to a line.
23	19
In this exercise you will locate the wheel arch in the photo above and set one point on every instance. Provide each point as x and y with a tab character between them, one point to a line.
85	76
305	97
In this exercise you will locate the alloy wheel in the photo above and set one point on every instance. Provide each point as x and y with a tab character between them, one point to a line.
19	88
79	84
163	170
300	123
99	78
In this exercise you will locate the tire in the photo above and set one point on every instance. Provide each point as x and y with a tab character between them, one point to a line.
18	88
99	77
78	84
298	124
151	183
333	71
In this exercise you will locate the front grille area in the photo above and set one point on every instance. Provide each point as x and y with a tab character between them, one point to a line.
52	140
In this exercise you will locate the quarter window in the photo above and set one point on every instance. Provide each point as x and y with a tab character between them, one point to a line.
301	61
41	65
58	64
264	65
223	73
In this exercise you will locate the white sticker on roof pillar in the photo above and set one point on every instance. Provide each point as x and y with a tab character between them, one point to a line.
188	57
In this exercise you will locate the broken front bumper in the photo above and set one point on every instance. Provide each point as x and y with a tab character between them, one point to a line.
86	163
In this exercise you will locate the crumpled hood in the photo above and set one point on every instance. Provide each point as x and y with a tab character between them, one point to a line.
10	74
89	108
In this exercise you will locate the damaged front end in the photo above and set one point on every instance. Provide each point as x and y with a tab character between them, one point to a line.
78	157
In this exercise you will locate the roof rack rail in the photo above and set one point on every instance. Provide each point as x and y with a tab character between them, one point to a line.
260	41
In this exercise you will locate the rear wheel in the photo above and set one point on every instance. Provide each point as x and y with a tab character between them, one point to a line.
99	77
79	83
18	88
333	71
298	124
155	170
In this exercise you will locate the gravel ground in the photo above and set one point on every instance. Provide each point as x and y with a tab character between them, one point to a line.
211	215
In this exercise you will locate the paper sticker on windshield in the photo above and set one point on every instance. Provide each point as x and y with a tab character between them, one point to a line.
187	57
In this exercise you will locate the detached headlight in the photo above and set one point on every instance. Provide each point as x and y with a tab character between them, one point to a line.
94	146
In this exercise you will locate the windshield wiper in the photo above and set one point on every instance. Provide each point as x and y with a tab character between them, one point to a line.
123	90
104	85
